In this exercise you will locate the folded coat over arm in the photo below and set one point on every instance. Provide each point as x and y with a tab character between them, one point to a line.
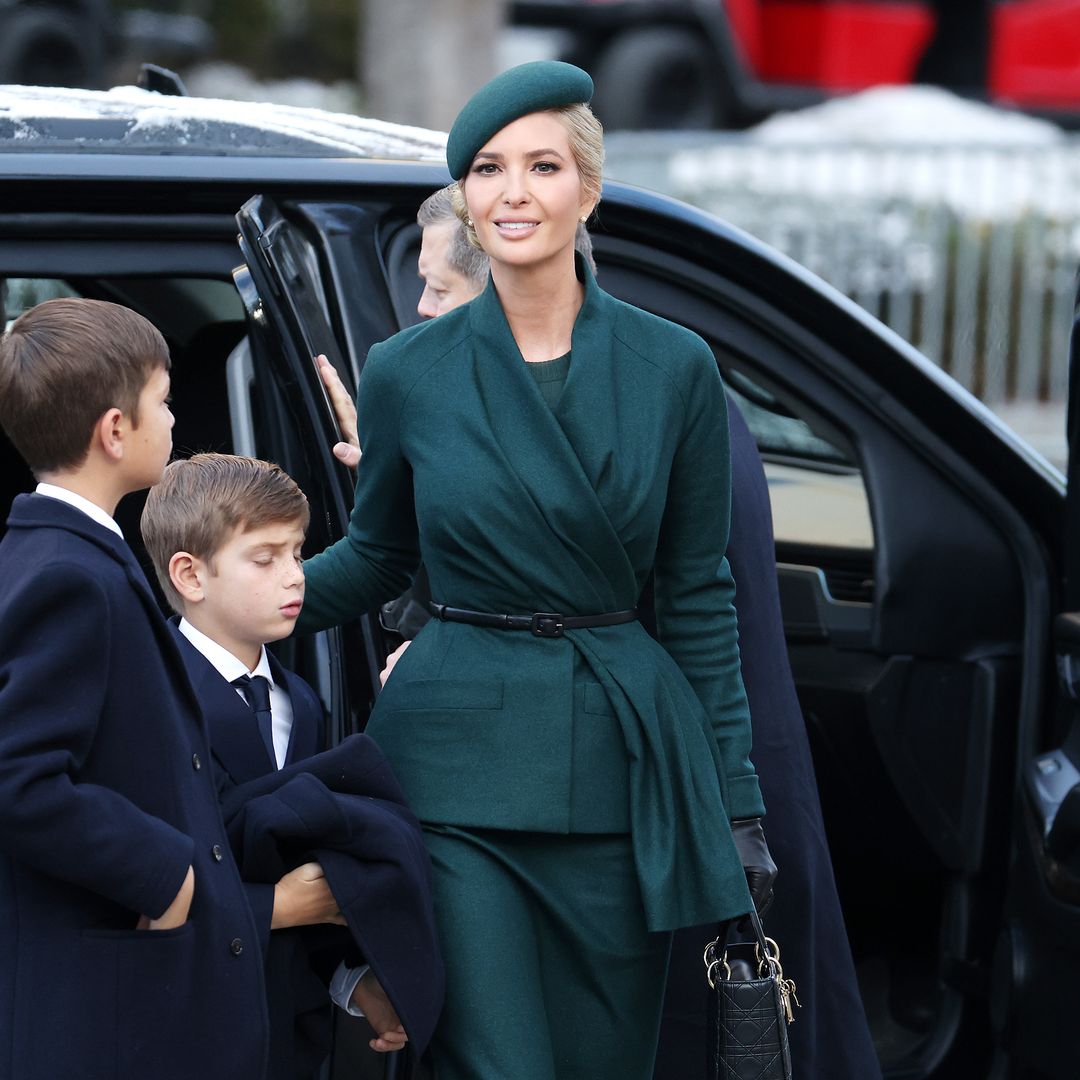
344	809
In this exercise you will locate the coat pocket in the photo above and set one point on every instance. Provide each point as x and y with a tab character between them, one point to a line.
420	694
157	995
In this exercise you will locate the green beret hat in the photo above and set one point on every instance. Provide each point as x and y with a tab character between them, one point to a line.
527	88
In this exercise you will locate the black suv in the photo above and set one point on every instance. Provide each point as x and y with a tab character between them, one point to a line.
920	544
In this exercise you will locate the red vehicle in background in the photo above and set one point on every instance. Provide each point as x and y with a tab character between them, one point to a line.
711	63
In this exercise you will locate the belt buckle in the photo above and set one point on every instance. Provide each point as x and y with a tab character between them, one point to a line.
547	624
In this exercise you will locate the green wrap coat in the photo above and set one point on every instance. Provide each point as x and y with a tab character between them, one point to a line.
516	507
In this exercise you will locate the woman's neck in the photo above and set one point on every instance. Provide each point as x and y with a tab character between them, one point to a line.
540	303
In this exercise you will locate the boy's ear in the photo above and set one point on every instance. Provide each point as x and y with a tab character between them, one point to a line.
185	573
109	434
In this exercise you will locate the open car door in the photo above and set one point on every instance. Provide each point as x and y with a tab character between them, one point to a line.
290	322
289	284
1035	990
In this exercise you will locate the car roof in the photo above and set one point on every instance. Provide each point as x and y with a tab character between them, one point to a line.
50	137
129	120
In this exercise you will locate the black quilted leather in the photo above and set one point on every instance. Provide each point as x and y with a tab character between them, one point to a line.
747	1032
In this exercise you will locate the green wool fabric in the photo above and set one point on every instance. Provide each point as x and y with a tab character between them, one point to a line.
550	376
527	88
519	507
556	962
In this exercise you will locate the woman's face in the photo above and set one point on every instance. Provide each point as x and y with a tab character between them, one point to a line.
524	192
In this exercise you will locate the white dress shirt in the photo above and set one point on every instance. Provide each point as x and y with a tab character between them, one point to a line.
230	668
91	510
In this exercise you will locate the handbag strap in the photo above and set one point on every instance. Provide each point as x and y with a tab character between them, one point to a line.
768	952
768	949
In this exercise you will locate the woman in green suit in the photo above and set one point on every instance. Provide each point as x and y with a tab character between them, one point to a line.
584	789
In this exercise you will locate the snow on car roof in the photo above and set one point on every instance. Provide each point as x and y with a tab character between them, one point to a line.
130	120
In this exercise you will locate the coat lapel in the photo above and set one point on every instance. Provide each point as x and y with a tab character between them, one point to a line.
234	735
304	736
556	456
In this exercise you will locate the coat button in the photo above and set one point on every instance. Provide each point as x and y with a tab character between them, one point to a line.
196	764
236	946
217	853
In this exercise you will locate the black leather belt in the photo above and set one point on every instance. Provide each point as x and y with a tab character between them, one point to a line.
546	624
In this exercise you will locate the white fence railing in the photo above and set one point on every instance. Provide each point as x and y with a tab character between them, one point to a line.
969	252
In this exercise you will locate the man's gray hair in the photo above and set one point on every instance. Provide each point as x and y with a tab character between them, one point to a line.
466	258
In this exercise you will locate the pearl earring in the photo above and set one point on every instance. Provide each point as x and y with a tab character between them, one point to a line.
468	221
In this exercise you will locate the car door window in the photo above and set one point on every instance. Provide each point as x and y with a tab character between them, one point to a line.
20	294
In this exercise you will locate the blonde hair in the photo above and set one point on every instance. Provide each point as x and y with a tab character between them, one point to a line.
586	137
202	500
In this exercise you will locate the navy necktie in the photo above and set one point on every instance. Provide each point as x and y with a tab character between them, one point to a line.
256	689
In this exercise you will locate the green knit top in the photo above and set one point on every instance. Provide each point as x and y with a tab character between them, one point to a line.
550	376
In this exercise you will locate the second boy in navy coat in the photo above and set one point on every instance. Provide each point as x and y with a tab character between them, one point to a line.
296	984
225	534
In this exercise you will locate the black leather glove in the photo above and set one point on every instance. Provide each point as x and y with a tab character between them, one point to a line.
757	863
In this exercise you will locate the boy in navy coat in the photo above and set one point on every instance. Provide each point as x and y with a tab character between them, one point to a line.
225	535
128	946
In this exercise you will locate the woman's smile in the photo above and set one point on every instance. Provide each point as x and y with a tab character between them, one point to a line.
514	229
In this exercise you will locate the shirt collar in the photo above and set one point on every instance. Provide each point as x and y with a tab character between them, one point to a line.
223	661
92	510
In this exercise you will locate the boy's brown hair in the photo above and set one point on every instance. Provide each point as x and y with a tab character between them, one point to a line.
201	501
63	364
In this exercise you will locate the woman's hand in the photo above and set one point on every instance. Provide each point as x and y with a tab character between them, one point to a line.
756	861
348	451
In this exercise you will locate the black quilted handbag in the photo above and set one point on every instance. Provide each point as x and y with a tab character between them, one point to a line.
748	1017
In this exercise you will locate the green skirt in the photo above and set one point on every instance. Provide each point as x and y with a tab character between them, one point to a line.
551	973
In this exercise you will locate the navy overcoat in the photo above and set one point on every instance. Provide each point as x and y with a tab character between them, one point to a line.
106	797
296	974
344	809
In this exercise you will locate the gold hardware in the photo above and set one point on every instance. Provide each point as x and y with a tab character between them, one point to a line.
787	996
